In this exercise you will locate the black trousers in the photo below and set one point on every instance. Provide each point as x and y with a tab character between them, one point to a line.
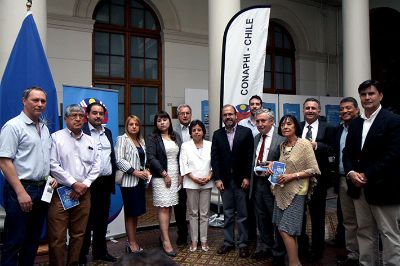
180	215
98	218
316	206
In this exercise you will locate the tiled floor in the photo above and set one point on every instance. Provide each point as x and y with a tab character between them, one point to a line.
148	238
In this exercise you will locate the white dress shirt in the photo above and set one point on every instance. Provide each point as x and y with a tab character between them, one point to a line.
314	129
72	159
267	145
105	146
367	124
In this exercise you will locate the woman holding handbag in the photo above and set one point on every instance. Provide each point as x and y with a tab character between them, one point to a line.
130	155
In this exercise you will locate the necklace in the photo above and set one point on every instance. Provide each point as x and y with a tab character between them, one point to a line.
287	147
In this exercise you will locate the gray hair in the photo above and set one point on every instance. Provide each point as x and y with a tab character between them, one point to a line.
268	112
182	106
26	92
73	108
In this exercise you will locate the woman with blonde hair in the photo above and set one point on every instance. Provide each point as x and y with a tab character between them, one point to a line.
130	153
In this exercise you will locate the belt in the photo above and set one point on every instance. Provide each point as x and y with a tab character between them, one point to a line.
37	183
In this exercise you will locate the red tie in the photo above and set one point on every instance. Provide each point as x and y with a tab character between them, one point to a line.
261	152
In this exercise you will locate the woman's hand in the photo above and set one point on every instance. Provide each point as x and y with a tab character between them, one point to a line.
285	178
167	180
141	174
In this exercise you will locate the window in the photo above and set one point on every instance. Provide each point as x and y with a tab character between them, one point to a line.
127	58
279	71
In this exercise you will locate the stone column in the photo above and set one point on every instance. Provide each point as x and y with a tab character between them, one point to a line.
219	14
356	45
12	13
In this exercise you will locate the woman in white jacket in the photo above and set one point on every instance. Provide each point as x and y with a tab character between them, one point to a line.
195	166
130	153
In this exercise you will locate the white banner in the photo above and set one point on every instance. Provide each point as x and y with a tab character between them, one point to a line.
243	58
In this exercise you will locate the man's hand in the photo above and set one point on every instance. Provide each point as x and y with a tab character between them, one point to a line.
25	201
53	183
358	179
314	145
79	188
245	183
220	185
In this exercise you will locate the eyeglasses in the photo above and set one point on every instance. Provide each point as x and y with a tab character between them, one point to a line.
76	116
184	113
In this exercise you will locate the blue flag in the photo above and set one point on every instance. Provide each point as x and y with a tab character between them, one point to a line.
27	67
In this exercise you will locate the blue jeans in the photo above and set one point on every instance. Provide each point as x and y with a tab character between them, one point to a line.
22	230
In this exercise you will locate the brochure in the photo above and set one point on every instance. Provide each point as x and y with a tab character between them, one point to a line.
278	169
48	191
66	200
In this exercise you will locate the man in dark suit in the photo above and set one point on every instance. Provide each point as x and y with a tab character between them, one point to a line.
371	159
321	135
266	148
102	188
231	158
348	110
184	117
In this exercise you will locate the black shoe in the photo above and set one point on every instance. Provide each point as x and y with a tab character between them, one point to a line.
82	261
348	262
181	241
315	257
224	249
105	257
278	261
261	254
244	252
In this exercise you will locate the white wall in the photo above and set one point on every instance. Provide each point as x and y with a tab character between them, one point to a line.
186	66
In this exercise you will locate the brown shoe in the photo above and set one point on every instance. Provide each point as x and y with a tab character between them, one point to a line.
244	252
225	249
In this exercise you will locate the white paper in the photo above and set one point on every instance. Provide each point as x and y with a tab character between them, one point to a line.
48	191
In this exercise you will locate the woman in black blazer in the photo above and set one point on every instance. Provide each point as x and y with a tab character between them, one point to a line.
163	148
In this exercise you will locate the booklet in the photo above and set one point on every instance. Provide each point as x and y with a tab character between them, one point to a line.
66	201
278	169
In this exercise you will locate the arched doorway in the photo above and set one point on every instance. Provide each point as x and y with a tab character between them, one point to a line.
385	54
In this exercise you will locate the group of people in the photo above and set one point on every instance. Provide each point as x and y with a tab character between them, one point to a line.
183	167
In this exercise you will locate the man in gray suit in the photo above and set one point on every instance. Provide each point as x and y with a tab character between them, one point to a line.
266	148
185	117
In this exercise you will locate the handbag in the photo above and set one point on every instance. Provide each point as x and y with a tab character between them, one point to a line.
119	175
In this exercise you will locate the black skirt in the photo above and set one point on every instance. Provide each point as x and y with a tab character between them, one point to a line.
134	200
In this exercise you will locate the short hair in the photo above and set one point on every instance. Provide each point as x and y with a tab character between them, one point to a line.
349	100
73	108
269	113
297	131
133	117
368	83
27	91
255	97
229	105
312	99
89	107
156	131
182	106
197	123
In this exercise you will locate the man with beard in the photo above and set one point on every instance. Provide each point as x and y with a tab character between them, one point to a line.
102	188
231	159
255	103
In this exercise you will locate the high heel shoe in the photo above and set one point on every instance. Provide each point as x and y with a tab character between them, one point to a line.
130	250
205	247
170	253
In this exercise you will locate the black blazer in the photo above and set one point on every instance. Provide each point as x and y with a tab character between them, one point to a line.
273	154
378	159
110	183
156	154
324	150
236	164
